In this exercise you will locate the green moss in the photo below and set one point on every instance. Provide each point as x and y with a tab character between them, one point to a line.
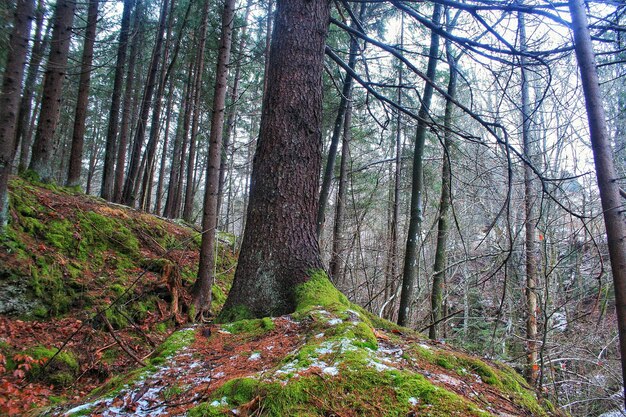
171	392
357	392
60	234
235	313
173	344
319	291
218	296
61	371
252	327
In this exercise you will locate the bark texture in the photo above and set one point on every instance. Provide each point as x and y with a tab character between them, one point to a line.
612	205
409	271
279	248
202	286
78	135
56	68
108	172
10	98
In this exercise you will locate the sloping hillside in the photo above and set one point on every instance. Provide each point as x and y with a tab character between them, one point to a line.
111	282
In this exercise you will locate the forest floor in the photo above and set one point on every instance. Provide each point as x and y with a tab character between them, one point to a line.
107	285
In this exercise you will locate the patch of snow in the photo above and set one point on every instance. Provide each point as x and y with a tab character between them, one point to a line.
447	379
331	370
413	401
614	413
378	366
235	411
424	346
216	403
319	335
218	375
334	322
80	408
269	347
255	356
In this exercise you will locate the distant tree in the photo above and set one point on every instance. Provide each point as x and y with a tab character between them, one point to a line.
10	97
78	135
108	172
56	69
280	247
204	281
409	271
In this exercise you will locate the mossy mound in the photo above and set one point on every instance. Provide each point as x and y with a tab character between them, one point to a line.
322	360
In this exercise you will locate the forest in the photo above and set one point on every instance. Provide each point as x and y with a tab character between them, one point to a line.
390	189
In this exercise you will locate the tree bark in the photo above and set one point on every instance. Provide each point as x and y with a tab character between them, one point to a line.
197	93
127	106
43	147
10	98
337	255
202	287
129	192
23	131
278	254
439	268
78	135
232	111
532	370
337	129
108	172
166	135
409	271
612	205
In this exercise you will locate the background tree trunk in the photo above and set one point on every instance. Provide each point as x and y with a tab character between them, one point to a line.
108	172
10	98
78	135
277	255
409	271
56	68
612	204
202	287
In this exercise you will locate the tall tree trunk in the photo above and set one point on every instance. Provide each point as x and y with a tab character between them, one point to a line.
108	172
532	370
78	135
202	287
612	204
127	106
128	194
23	130
197	93
392	272
166	135
337	130
93	159
172	203
439	269
10	98
409	271
232	111
43	147
279	254
337	255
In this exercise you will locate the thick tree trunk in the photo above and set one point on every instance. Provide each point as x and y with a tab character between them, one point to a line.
43	147
409	271
439	269
202	287
78	135
197	93
130	185
23	131
10	98
278	254
127	106
612	204
108	172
